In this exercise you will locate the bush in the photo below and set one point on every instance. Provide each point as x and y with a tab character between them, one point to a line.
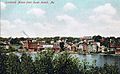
3	63
27	66
43	63
13	64
47	62
66	64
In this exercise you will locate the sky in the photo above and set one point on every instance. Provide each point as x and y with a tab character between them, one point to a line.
60	18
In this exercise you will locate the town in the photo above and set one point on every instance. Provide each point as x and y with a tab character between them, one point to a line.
81	45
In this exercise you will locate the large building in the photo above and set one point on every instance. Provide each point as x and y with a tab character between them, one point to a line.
31	45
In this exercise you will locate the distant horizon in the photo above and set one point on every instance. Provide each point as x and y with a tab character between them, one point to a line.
56	36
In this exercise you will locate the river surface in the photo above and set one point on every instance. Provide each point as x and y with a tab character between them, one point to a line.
100	59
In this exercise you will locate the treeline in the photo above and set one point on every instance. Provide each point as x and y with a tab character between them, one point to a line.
46	39
47	62
105	41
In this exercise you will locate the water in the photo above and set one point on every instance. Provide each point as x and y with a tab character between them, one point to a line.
100	59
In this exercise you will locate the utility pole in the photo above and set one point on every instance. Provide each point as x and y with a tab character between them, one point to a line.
25	34
0	26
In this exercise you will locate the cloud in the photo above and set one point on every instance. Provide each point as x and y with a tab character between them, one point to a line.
36	11
5	24
72	26
42	26
106	9
69	7
19	22
103	13
14	28
2	6
104	20
7	28
66	18
69	21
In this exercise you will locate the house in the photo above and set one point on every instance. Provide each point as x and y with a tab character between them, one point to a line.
80	47
85	47
38	46
74	47
4	45
112	46
56	46
93	47
90	48
102	48
32	45
117	51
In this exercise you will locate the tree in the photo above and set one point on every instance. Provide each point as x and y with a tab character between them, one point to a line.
106	42
3	63
43	63
47	40
4	50
13	66
15	41
3	39
97	38
62	45
70	39
27	66
56	38
65	64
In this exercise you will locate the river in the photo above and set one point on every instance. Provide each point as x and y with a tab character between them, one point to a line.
100	59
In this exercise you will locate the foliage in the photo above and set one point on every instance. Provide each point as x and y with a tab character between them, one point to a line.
48	62
4	50
106	42
3	63
56	38
64	63
70	39
2	39
97	38
27	66
62	46
13	64
15	41
43	63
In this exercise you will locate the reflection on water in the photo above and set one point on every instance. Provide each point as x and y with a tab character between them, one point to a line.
100	59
